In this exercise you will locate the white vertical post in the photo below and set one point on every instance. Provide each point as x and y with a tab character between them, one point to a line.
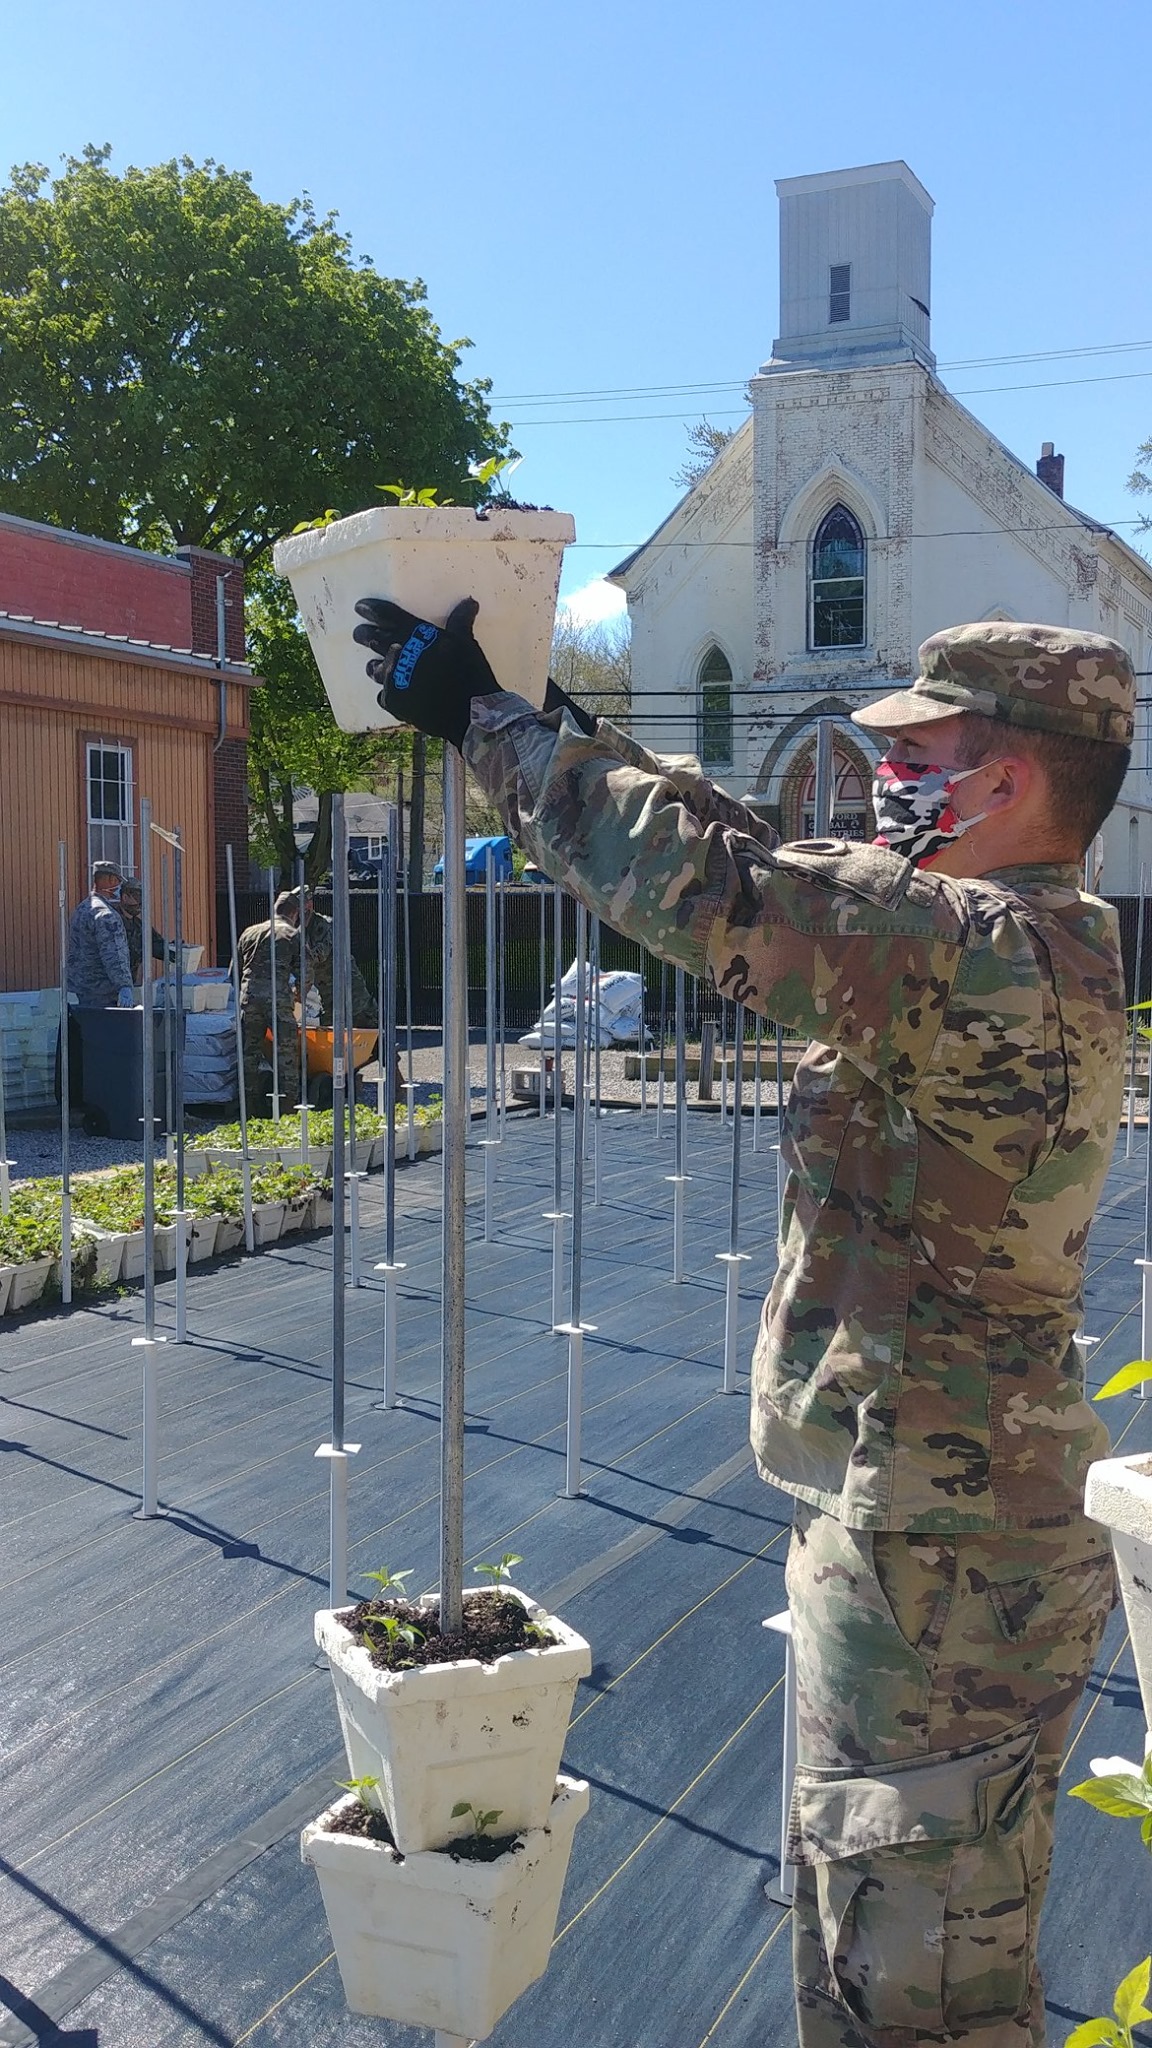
575	1328
783	1892
556	1216
679	1178
354	1264
149	1507
824	793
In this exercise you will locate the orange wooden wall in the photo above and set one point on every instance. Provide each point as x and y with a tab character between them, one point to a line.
52	698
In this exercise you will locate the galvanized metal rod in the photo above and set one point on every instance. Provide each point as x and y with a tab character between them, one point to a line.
643	1042
723	1059
388	1042
596	1014
241	1089
149	1506
302	990
681	1072
148	1070
65	1083
339	1111
737	1128
275	1019
169	1118
490	1100
556	1215
502	994
406	921
342	887
663	1049
380	973
824	781
781	1170
578	1107
543	1084
758	1092
1135	1023
455	978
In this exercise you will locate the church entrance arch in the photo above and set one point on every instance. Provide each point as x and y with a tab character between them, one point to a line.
852	816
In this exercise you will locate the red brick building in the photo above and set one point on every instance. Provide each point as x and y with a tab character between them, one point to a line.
122	676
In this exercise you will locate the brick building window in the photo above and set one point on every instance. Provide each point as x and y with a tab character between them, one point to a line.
839	559
714	711
108	779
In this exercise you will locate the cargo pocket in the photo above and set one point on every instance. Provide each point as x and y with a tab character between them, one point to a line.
921	1873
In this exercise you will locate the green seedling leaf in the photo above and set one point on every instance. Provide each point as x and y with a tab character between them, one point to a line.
499	1572
1128	2004
1095	2034
387	1581
481	1821
1128	1377
362	1787
1124	1796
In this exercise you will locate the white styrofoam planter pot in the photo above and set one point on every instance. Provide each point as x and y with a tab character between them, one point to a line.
427	1941
195	1162
132	1266
229	1234
427	558
321	1213
6	1274
202	1237
442	1733
109	1253
28	1282
164	1247
267	1219
430	1137
1119	1494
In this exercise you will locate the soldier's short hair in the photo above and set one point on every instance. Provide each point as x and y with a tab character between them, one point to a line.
287	906
1083	776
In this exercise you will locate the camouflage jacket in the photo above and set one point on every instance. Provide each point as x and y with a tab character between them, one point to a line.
255	949
98	962
364	1012
947	1137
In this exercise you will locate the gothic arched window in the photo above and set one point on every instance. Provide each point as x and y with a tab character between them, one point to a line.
837	609
714	712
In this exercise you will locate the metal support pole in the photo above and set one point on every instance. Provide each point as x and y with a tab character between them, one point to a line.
502	993
781	1170
1145	1264
406	921
663	1048
824	790
1136	1022
148	1070
149	1508
380	986
575	1329
594	1013
302	991
183	1216
783	1891
733	1258
679	1178
723	1059
241	1089
758	1090
65	1083
643	1044
543	1001
354	1268
336	1450
455	977
169	1117
390	1265
556	1216
275	1019
491	1101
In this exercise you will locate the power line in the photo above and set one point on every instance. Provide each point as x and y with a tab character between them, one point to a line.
1070	525
1106	348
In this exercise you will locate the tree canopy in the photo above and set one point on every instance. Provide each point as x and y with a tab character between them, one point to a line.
186	363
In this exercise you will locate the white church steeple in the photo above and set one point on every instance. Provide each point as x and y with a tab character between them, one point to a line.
855	269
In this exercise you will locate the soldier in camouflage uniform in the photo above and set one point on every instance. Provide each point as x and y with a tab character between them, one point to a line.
915	1384
319	933
257	1001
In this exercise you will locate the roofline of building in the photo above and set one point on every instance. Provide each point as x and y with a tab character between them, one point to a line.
896	170
88	640
621	569
69	538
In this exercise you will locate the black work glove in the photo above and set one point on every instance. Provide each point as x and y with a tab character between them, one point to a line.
556	699
428	675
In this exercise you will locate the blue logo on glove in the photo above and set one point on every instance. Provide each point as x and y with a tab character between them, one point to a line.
417	644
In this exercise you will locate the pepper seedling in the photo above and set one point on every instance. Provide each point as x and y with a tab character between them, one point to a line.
498	1573
362	1787
481	1821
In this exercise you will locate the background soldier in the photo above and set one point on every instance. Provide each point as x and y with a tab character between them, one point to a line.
99	969
130	904
258	1000
915	1382
365	1015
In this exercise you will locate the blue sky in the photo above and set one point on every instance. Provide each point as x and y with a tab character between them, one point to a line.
588	192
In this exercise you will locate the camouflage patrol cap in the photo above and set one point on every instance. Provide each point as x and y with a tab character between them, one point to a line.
1048	678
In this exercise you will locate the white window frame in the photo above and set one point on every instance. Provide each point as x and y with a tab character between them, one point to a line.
111	838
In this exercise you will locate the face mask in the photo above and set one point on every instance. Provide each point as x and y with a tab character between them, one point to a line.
913	804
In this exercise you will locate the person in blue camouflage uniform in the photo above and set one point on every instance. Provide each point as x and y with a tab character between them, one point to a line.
916	1387
99	968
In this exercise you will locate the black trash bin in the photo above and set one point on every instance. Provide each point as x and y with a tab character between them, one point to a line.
112	1064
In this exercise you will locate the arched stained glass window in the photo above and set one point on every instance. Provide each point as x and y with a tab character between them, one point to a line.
838	611
714	714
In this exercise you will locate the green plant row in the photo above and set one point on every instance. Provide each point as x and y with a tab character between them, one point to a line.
263	1131
115	1201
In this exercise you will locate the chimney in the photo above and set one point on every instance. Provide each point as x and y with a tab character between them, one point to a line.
1050	469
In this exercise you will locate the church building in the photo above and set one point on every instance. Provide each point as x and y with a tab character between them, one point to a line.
860	509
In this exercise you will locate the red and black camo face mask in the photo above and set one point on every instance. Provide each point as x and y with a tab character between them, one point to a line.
913	804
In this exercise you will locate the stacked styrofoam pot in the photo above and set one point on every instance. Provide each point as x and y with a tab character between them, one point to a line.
422	1936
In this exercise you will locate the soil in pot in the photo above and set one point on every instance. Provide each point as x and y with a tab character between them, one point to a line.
493	1627
357	1819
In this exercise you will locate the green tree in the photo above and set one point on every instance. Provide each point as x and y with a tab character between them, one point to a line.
187	364
705	443
593	664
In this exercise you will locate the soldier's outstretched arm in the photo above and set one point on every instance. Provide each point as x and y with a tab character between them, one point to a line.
852	945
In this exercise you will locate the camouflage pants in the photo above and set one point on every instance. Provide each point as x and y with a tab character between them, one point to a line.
256	1023
936	1680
